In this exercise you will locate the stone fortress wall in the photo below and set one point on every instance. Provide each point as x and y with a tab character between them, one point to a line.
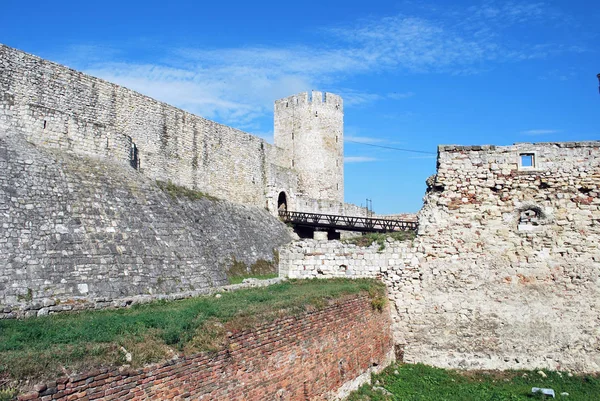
82	218
78	229
505	271
55	106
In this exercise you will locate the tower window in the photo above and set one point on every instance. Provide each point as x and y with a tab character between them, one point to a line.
316	114
336	139
292	136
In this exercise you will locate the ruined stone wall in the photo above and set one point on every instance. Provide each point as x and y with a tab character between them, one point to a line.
505	271
395	263
75	227
478	200
319	355
511	269
310	129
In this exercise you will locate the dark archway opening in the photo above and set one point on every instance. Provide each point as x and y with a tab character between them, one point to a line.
282	202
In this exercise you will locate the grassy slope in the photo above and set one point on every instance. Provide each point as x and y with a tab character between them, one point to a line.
40	348
423	383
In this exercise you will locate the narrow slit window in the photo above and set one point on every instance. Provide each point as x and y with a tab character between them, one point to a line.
527	159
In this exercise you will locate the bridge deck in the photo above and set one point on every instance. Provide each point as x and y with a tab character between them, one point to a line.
349	223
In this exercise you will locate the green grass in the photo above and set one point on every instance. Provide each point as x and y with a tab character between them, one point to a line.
39	348
240	279
423	383
380	238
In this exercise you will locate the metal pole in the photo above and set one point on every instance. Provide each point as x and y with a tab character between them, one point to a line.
598	76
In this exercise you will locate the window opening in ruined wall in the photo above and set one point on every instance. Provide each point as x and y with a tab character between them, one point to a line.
527	160
530	218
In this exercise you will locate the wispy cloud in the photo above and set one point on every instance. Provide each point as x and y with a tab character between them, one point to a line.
396	95
423	157
359	159
534	132
238	85
363	139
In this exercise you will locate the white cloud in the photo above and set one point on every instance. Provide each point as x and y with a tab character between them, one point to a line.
359	159
396	95
238	85
362	139
540	131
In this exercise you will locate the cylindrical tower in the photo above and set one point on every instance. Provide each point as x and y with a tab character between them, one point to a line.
310	130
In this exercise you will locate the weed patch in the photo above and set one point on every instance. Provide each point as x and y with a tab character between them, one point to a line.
380	238
261	269
177	191
421	382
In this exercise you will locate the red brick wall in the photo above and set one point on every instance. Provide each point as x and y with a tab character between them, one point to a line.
307	357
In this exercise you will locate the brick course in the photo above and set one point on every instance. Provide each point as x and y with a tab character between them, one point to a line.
306	357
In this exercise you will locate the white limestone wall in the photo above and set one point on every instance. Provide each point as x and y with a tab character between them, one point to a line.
484	286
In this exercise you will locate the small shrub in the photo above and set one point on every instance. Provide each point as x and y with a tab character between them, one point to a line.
378	303
8	394
27	297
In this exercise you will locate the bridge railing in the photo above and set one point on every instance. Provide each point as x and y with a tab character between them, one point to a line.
350	223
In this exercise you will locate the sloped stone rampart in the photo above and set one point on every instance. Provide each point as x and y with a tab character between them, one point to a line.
76	228
320	355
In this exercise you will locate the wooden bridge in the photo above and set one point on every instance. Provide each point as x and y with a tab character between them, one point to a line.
348	223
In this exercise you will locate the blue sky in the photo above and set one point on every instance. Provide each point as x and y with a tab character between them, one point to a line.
413	74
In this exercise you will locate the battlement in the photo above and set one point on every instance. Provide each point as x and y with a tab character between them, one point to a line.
314	98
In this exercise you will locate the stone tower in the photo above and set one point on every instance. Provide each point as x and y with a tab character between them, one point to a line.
310	130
